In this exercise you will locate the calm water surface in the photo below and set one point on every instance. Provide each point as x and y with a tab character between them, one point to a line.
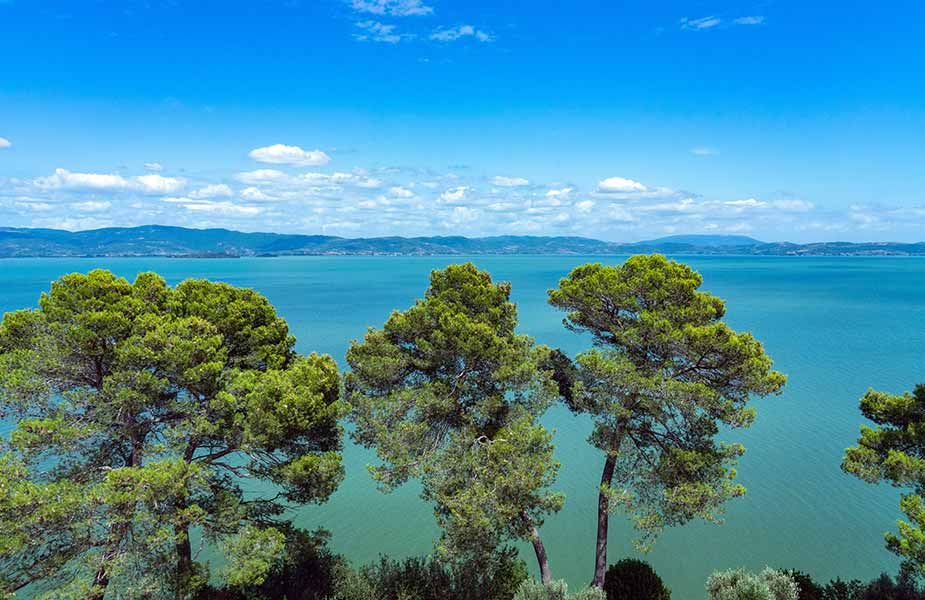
835	325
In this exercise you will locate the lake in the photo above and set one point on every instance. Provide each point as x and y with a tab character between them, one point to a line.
835	326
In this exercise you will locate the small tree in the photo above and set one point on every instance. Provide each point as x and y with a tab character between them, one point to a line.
139	410
631	578
893	450
668	373
448	392
741	585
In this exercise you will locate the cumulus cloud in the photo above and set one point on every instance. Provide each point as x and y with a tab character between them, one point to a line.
91	206
280	154
5	143
621	185
451	34
254	193
559	193
260	176
149	184
215	190
395	8
401	192
223	207
154	166
454	195
509	181
375	31
156	184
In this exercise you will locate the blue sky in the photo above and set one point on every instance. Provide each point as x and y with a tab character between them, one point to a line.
618	120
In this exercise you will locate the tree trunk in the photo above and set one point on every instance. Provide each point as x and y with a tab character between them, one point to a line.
541	558
184	560
100	581
603	520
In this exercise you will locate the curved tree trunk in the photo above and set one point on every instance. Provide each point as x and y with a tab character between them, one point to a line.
603	520
541	558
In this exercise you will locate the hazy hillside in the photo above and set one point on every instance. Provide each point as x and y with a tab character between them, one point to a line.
156	240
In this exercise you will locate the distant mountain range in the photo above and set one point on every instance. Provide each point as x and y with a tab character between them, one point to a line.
157	240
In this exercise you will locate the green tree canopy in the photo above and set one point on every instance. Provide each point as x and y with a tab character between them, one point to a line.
140	412
666	374
893	450
448	392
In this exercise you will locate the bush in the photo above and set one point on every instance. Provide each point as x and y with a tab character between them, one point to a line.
741	585
631	578
807	589
496	578
307	571
555	590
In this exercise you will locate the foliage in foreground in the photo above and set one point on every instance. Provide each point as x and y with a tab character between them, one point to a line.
884	587
555	590
632	578
140	412
738	584
892	451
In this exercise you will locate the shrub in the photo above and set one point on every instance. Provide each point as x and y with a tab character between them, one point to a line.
631	578
497	577
740	585
807	588
555	590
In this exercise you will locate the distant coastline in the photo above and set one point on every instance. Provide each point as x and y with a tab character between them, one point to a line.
180	242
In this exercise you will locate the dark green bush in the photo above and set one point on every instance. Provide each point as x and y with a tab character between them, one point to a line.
308	571
808	588
634	579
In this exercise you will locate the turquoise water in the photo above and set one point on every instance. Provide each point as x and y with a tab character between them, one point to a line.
834	325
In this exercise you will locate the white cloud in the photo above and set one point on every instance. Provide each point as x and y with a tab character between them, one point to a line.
559	193
221	207
751	20
91	206
701	23
149	184
217	190
260	176
280	154
375	31
253	193
747	203
5	143
509	181
401	192
585	205
704	151
395	8
621	185
156	184
451	34
793	205
454	195
369	183
154	166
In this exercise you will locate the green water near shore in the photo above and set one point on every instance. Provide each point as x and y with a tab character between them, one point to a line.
835	326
